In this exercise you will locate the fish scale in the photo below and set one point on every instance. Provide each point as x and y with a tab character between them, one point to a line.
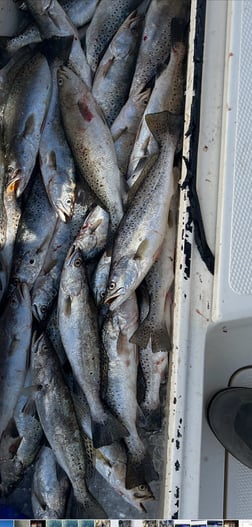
108	16
139	239
30	91
78	324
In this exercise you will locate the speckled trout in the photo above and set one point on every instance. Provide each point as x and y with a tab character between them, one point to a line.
139	239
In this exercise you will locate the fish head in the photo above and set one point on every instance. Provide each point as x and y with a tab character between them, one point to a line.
39	359
42	298
100	278
62	195
125	40
21	160
135	496
73	272
93	234
125	276
70	86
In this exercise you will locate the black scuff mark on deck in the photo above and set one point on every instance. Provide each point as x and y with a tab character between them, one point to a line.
194	210
177	465
188	255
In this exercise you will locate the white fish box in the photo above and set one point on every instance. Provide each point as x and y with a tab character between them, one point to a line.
212	346
212	313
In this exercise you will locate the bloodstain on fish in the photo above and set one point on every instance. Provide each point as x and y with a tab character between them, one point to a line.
84	110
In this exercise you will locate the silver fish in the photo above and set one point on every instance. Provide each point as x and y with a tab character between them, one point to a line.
46	286
115	71
167	95
76	310
56	161
34	234
156	39
124	127
22	129
91	143
53	21
100	278
93	234
50	487
159	281
57	415
111	460
8	74
52	331
13	213
121	382
30	35
108	17
15	335
79	12
20	442
140	237
154	367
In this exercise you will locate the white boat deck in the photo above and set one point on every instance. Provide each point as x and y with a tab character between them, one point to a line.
213	314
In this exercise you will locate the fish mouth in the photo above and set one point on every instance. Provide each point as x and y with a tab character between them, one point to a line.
13	184
65	213
74	249
114	299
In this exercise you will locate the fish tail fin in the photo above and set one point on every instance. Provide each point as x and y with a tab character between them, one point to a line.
87	508
162	123
160	339
108	431
139	472
153	418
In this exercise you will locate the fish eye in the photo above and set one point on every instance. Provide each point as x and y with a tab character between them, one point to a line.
43	308
112	285
141	487
68	201
77	262
102	294
45	348
60	81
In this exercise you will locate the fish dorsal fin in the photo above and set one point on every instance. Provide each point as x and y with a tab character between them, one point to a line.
163	123
139	181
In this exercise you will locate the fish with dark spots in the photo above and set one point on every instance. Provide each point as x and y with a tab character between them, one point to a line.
30	91
91	143
109	15
138	241
115	71
120	381
78	325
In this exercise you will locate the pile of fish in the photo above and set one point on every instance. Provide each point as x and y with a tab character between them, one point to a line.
91	121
